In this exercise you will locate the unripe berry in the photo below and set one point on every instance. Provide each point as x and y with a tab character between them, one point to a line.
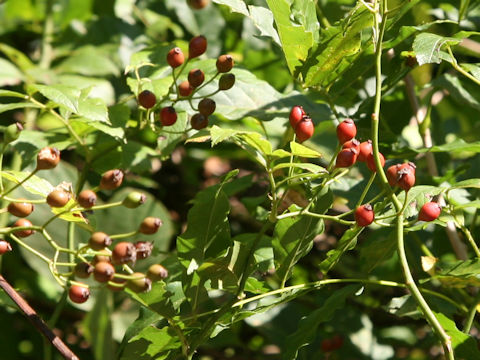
157	272
144	249
185	89
103	271
150	225
296	115
224	63
196	77
124	252
139	283
147	99
48	158
20	209
87	199
364	215
429	211
352	144
226	81
168	116
197	46
175	57
83	270
58	198
346	130
371	161
199	121
5	247
198	4
99	240
12	132
78	293
134	200
346	158
102	256
366	149
112	179
23	223
206	107
304	129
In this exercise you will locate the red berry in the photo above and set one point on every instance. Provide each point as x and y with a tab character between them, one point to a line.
366	149
5	247
175	57
20	209
371	161
150	225
392	175
112	179
103	271
304	129
168	116
185	89
87	199
58	198
352	144
124	252
406	176
197	46
346	158
296	115
99	240
332	344
429	211
147	99
196	77
224	63
78	293
226	81
48	158
346	130
206	107
157	272
199	121
23	223
364	215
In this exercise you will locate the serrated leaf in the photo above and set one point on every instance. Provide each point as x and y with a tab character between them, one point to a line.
428	47
151	342
93	109
303	151
62	95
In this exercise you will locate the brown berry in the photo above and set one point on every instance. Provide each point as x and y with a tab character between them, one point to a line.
48	158
87	199
124	252
224	63
144	249
198	4
147	99
199	121
226	81
83	270
196	77
103	255
197	46
58	198
206	107
150	225
20	209
175	57
99	240
185	89
79	293
157	272
5	247
103	271
23	223
112	179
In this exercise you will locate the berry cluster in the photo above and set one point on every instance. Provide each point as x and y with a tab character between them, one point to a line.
301	123
96	257
186	89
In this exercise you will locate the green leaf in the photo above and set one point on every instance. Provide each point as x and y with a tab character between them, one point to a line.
151	342
347	242
428	48
307	327
10	75
315	169
470	183
35	185
62	95
94	109
98	328
463	91
460	274
465	346
9	93
378	249
19	105
89	61
167	141
473	69
303	151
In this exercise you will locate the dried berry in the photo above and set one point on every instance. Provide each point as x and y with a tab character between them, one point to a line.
48	158
144	249
87	199
112	179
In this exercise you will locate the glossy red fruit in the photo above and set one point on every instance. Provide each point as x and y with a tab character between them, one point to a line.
58	198
196	77
199	121
20	209
197	46
48	158
139	283
99	240
226	81
175	57
429	211
352	144
144	249
371	161
103	271
304	129
392	175
364	215
78	293
198	4
406	176
124	252
206	107
185	89
346	158
23	223
111	180
5	247
366	149
87	199
83	270
346	130
296	115
168	116
224	63
157	272
150	225
147	99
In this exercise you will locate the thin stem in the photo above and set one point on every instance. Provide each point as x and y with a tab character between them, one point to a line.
460	69
29	248
19	184
1	166
471	314
124	235
315	215
47	38
468	235
365	190
28	201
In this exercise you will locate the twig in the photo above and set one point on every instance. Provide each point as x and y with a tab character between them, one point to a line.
37	321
